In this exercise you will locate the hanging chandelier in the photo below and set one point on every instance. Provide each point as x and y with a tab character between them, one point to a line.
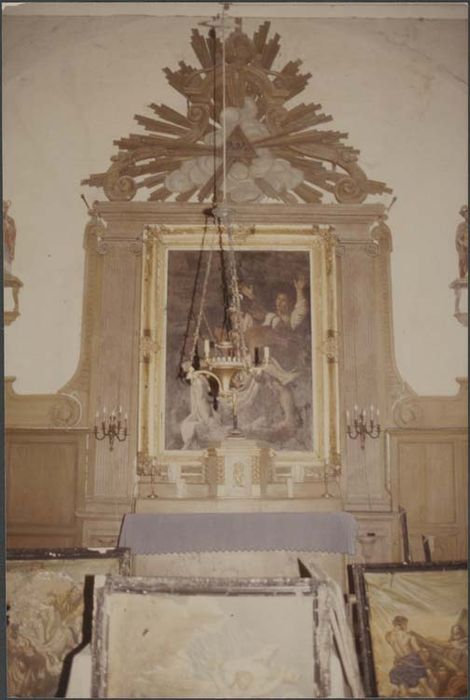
226	356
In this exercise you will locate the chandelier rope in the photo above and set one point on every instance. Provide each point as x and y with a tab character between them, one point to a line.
225	351
224	123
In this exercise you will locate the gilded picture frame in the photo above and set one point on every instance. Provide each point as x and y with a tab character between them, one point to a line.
210	637
411	624
271	260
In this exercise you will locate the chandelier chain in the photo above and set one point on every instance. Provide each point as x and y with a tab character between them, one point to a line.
202	303
239	330
191	315
224	123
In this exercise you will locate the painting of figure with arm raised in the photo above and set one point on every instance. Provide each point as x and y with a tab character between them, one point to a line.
274	400
416	622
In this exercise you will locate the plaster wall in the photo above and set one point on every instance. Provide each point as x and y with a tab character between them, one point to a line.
72	84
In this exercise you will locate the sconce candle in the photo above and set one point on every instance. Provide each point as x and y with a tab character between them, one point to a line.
112	427
361	427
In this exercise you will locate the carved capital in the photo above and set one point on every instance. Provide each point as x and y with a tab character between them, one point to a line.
95	230
381	233
135	247
372	249
102	247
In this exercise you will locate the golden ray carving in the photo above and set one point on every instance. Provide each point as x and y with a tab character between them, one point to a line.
273	152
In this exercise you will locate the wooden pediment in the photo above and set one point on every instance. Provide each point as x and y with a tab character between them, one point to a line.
273	152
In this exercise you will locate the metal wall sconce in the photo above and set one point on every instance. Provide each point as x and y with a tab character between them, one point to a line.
361	426
113	427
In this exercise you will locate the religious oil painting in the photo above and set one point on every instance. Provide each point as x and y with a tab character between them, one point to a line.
274	405
49	604
204	643
286	398
413	624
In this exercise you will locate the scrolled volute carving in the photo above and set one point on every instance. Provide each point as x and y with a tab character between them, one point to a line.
407	412
199	117
350	191
275	116
117	186
66	411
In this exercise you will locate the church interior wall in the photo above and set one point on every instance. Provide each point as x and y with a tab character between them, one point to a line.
73	83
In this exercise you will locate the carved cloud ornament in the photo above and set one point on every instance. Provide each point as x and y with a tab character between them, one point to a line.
273	152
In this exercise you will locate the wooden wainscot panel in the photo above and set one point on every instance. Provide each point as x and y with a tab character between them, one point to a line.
101	532
45	473
429	480
21	537
445	544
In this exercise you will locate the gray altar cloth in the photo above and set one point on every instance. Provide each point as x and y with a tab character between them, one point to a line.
166	533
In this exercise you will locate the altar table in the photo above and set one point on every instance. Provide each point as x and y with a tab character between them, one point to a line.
165	533
250	544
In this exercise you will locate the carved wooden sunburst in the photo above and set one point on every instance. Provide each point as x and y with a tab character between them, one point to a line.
273	152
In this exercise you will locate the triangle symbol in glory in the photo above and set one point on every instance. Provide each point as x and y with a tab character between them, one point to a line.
239	147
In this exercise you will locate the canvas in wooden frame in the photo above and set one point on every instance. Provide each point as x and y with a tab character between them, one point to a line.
293	411
412	628
211	638
49	594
